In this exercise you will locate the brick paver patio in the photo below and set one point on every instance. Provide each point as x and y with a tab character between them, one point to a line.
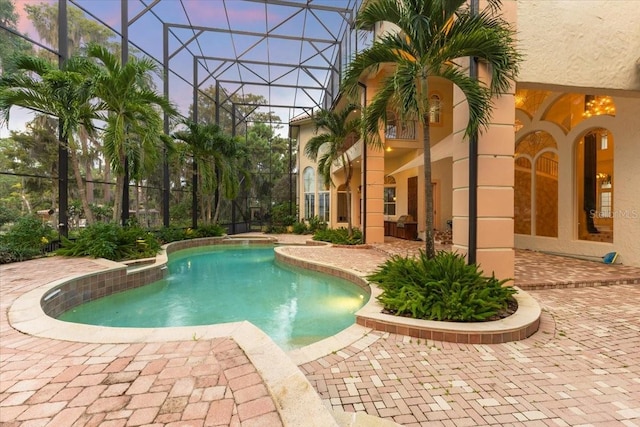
581	368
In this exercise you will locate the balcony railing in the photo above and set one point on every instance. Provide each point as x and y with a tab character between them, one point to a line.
400	130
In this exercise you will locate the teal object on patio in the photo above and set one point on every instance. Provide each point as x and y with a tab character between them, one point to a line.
610	258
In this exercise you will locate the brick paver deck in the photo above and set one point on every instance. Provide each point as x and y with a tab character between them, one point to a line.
58	383
581	368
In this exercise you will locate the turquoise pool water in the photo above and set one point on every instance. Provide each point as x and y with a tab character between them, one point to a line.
220	284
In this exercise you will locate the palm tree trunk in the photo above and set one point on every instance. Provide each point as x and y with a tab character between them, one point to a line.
428	190
117	201
216	214
75	162
88	164
107	178
136	199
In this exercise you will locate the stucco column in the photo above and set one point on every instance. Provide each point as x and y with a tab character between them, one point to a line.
495	238
375	195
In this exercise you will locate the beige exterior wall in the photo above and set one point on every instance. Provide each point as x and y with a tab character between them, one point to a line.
569	47
305	133
442	176
584	44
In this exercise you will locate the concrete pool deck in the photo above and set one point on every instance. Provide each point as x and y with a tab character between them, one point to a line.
581	367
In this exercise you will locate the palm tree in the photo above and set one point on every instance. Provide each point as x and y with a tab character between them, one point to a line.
216	164
433	35
64	93
331	147
131	109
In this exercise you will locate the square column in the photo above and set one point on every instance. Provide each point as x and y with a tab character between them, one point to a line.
495	227
374	202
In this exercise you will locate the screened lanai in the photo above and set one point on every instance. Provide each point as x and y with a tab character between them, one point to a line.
249	66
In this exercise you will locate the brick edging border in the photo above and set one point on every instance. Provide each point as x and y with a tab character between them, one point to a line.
520	325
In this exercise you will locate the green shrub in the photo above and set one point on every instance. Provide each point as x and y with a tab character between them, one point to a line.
338	236
315	224
8	215
284	214
112	241
210	230
300	228
171	234
25	239
276	229
441	288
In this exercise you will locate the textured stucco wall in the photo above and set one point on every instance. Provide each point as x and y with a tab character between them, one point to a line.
626	198
306	132
592	43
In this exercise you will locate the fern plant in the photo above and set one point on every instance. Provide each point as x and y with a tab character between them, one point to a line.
440	288
339	236
111	241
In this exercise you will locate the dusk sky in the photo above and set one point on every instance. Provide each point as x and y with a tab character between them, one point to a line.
280	21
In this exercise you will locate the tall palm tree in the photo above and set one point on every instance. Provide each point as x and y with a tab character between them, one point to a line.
331	147
433	35
132	110
65	93
216	164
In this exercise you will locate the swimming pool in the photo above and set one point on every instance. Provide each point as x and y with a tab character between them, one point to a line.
220	284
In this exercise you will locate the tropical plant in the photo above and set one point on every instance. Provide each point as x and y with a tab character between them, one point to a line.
444	287
81	30
300	227
134	137
284	213
111	241
216	163
31	154
25	239
172	234
331	147
210	230
339	236
65	93
315	224
432	36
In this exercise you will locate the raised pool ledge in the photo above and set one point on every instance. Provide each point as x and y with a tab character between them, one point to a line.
127	275
520	325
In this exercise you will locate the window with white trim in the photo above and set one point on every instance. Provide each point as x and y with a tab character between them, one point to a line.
389	195
309	178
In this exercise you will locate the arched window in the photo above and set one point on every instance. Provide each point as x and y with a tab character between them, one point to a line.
323	202
309	177
594	186
389	195
435	106
536	185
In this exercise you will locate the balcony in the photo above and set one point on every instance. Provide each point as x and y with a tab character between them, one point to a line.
400	130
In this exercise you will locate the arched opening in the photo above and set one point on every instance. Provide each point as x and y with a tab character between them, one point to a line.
595	186
536	185
435	106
